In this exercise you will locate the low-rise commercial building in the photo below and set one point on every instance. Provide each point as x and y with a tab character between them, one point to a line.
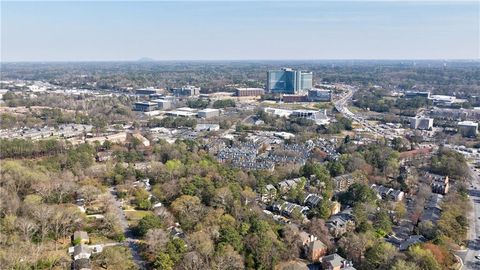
163	104
207	127
413	94
316	95
294	98
186	91
468	128
320	117
208	113
146	91
249	92
145	106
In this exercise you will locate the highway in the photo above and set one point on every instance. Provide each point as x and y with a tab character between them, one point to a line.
341	106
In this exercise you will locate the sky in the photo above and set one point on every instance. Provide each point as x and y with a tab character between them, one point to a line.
238	30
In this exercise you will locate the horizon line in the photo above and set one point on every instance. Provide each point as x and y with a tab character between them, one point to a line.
240	60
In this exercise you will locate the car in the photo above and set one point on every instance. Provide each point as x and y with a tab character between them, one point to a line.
477	257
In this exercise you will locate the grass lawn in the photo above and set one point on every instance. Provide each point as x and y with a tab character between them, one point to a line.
99	239
134	216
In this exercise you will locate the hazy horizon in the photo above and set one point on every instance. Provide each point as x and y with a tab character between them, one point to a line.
239	31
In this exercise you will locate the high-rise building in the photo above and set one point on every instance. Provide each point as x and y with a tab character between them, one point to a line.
304	80
289	81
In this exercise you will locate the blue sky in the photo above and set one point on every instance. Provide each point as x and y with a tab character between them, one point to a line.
222	30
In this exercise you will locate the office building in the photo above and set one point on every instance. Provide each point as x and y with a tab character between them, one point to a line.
249	92
294	98
413	94
163	104
304	80
186	91
422	123
145	106
468	128
319	117
289	81
208	113
146	91
316	95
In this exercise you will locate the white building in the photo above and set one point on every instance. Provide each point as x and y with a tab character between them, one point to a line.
422	123
320	117
207	127
319	95
208	113
163	104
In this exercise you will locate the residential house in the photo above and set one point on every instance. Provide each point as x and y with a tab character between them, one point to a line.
387	193
403	244
312	200
306	238
432	209
81	252
343	182
81	264
336	262
440	184
80	237
341	223
286	185
288	208
268	193
315	250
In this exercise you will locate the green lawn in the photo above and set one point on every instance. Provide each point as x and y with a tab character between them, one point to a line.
134	216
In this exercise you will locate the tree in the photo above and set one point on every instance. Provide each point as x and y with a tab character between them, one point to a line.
354	245
336	168
450	163
382	223
156	240
358	193
428	229
89	193
227	258
163	262
148	222
401	264
116	257
317	227
380	256
423	258
218	104
188	210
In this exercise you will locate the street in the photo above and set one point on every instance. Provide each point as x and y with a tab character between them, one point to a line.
468	256
130	239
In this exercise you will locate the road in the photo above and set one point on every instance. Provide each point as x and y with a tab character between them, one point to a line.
130	239
341	106
473	249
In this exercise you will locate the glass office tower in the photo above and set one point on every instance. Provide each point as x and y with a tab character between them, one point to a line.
288	81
